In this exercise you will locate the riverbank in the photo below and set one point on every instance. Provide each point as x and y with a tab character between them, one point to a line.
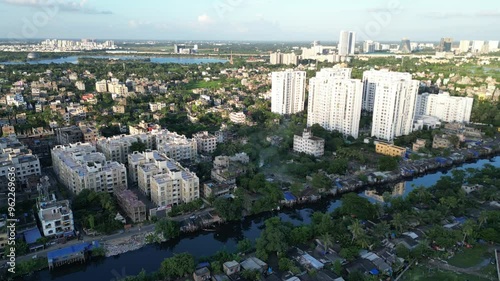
124	245
207	223
207	243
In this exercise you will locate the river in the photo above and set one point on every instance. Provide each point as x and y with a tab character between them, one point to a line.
74	60
207	243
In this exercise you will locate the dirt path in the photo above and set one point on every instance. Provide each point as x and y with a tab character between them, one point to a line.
470	270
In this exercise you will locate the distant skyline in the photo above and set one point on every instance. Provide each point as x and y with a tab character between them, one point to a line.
252	20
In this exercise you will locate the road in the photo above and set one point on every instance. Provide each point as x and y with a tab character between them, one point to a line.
104	239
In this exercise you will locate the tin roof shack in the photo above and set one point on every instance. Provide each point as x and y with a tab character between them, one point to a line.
408	242
253	263
220	277
70	254
381	265
326	256
231	267
305	259
201	274
362	265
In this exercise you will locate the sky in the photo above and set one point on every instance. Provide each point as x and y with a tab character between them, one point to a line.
250	20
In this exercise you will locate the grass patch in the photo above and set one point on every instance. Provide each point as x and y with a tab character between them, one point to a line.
489	270
424	274
469	257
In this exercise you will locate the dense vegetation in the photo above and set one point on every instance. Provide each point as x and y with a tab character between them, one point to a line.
96	211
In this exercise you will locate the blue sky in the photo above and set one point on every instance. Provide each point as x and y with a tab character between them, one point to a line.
292	20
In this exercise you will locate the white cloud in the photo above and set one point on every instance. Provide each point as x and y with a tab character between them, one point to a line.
204	19
62	5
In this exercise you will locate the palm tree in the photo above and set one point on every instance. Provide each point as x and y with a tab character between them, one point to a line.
363	241
399	222
483	218
381	229
423	194
356	230
327	240
468	229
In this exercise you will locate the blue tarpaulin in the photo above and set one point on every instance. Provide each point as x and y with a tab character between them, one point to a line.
289	196
441	160
30	236
68	251
338	184
374	271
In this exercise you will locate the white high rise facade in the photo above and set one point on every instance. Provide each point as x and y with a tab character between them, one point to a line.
347	43
370	80
493	46
445	107
288	91
477	46
464	46
394	104
335	101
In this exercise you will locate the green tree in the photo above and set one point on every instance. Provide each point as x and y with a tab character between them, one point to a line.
244	245
300	234
168	228
388	163
399	221
356	229
321	181
177	266
273	239
327	240
229	209
469	229
91	220
138	146
356	206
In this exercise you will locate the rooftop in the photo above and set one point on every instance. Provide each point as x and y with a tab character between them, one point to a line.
130	198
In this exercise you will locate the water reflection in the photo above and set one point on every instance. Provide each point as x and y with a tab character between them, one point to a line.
226	237
377	194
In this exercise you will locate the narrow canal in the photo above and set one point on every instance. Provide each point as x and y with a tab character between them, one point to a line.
226	237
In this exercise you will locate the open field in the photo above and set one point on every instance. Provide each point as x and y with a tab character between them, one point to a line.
423	273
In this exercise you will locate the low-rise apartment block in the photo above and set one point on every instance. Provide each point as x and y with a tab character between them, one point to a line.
419	144
56	218
176	146
69	135
226	169
117	148
441	141
389	149
14	155
237	117
206	143
164	179
78	166
157	106
143	128
133	207
90	132
309	144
